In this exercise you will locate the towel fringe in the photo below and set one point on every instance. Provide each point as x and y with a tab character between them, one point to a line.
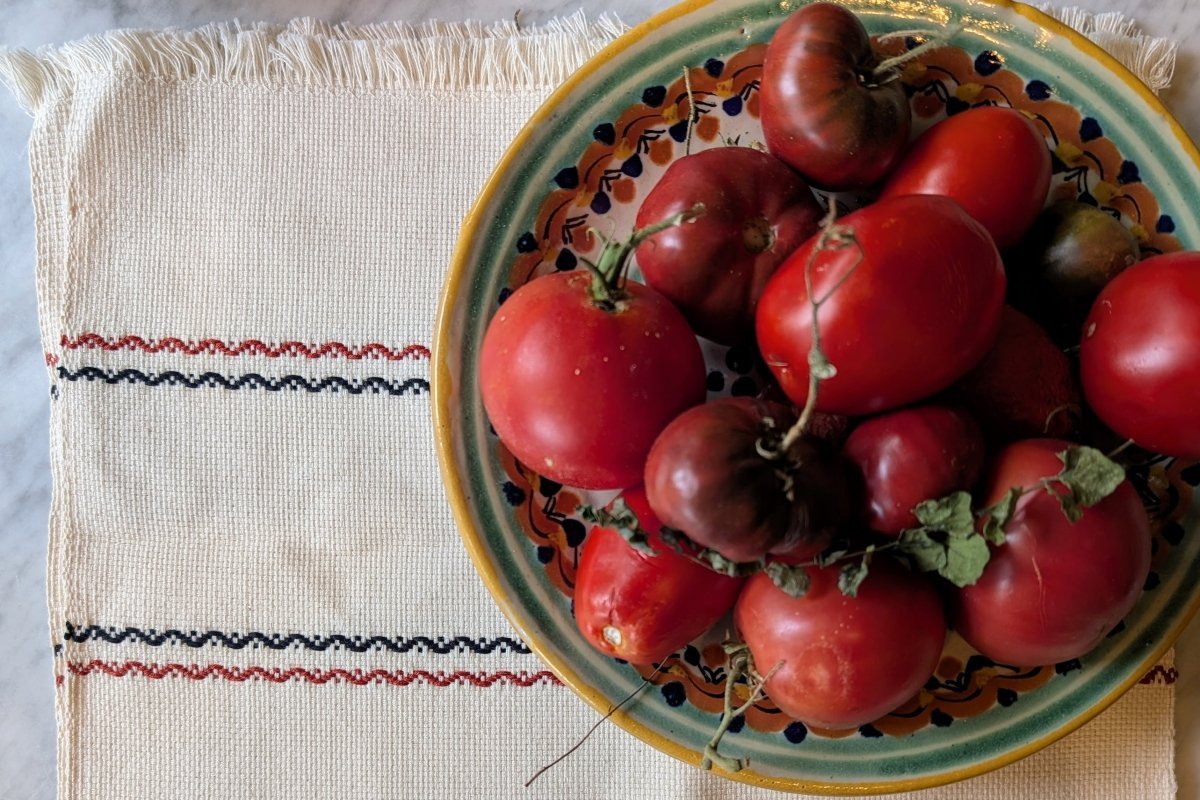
312	53
1151	59
431	55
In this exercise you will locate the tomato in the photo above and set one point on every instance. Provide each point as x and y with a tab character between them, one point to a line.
1072	251
1140	355
707	475
825	110
838	661
1024	387
641	607
912	455
1054	589
992	160
578	389
756	212
904	314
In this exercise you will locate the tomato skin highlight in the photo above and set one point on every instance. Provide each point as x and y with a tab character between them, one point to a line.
1140	354
911	455
714	268
641	607
839	661
579	393
921	308
1054	589
992	160
821	111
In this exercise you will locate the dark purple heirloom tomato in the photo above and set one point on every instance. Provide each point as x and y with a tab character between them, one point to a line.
710	474
825	108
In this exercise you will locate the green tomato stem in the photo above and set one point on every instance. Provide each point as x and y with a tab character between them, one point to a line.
608	273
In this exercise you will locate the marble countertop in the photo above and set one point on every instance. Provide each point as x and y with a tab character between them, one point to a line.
27	735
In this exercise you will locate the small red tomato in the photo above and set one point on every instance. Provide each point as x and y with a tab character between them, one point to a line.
717	473
578	389
1054	589
904	312
992	160
1024	387
827	110
756	212
642	607
837	661
1140	355
912	455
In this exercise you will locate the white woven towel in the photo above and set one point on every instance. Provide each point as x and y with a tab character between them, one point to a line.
254	580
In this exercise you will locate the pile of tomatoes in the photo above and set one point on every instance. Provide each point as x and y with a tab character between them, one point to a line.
940	357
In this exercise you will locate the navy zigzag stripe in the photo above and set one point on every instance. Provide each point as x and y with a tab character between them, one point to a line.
214	380
282	641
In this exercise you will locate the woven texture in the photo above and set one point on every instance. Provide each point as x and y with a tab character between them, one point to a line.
256	588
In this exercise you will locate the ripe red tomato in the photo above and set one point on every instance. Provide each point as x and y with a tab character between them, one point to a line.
843	661
1024	387
641	607
912	455
756	212
825	111
1140	355
578	391
1054	589
920	308
992	160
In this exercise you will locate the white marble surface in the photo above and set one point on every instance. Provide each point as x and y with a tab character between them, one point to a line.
26	690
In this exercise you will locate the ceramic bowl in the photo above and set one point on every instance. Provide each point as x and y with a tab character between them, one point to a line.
587	158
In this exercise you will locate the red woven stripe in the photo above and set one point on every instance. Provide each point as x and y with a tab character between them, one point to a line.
170	344
357	677
1160	674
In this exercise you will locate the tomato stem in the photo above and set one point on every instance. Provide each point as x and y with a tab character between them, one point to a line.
831	238
640	688
608	273
740	663
687	85
885	71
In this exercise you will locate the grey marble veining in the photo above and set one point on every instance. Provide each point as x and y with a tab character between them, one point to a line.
26	690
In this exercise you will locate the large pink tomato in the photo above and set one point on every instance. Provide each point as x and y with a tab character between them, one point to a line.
838	661
906	309
1054	589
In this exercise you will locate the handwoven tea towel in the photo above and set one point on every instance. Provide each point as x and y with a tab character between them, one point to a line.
255	586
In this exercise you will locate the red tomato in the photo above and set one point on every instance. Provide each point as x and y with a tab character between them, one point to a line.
579	391
992	160
839	661
1140	355
913	455
1054	589
756	212
641	607
1024	387
825	111
921	307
